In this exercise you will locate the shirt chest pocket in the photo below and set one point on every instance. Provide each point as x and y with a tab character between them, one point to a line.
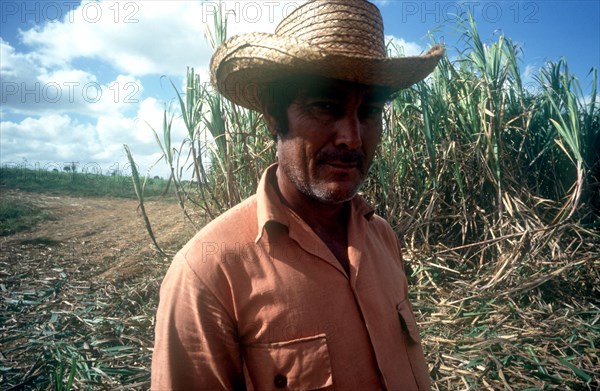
300	364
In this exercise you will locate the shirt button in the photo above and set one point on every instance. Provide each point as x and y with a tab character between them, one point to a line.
280	381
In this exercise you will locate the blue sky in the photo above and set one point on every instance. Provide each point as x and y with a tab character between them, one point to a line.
80	79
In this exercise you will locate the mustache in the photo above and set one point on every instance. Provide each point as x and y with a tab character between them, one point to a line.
343	156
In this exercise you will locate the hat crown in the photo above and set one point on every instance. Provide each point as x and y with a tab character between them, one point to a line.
344	27
335	39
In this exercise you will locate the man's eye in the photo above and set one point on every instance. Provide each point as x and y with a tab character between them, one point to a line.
325	106
371	111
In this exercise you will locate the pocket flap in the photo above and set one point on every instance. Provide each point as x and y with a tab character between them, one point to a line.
407	318
300	364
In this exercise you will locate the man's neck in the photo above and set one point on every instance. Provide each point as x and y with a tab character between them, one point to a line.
328	221
322	217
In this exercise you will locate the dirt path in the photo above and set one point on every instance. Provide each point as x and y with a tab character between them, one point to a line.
82	287
107	233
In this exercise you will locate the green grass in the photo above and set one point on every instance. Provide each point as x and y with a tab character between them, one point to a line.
18	215
77	184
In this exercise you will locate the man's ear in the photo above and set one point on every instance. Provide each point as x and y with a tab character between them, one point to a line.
271	123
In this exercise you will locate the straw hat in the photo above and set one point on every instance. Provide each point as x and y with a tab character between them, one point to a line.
339	39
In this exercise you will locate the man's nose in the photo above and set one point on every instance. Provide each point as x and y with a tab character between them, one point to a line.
348	131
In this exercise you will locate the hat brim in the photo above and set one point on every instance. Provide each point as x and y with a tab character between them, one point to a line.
243	66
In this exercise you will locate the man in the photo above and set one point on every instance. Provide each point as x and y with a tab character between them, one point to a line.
301	286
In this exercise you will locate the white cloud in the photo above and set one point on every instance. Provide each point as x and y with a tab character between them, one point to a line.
60	138
15	65
30	88
147	37
150	116
78	80
405	48
120	95
56	138
136	38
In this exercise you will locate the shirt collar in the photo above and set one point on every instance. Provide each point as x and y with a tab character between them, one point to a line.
270	209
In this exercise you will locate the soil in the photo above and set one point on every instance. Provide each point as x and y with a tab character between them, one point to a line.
84	283
80	290
108	233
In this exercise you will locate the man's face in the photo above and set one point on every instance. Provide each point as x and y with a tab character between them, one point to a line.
333	130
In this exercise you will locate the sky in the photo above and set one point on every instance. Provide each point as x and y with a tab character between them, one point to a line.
79	79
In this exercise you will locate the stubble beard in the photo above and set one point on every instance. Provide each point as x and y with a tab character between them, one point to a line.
318	189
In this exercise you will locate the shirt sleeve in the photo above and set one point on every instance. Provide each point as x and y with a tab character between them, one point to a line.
196	346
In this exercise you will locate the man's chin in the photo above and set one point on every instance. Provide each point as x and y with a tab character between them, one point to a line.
333	196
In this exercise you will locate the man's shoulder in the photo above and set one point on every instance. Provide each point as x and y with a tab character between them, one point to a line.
380	223
380	227
236	223
223	235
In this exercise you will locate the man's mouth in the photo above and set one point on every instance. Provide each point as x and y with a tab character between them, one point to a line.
342	160
343	165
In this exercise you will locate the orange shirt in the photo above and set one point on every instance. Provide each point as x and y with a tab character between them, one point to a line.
256	300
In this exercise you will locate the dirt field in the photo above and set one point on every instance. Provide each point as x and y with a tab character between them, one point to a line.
108	232
78	294
81	287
